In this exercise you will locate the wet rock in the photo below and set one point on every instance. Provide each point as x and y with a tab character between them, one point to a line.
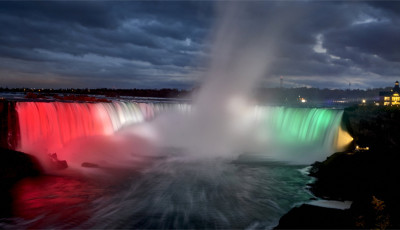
368	179
56	163
313	217
14	166
89	165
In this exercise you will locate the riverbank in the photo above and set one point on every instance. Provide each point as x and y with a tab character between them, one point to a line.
14	166
368	179
367	174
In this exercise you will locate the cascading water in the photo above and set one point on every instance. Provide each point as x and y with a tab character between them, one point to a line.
300	135
51	125
174	190
213	189
46	127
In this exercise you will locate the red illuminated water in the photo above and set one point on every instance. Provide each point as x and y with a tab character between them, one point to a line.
54	201
46	127
168	188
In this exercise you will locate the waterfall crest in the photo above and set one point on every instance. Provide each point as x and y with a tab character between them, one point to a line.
284	133
301	134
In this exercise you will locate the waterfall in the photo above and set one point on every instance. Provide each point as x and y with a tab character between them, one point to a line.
50	125
301	134
301	126
287	133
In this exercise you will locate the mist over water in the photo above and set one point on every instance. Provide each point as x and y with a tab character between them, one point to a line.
202	194
244	42
220	122
214	164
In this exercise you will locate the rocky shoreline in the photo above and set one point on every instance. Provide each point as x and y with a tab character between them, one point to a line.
368	177
14	166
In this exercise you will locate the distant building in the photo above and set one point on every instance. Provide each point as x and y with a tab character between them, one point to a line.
392	97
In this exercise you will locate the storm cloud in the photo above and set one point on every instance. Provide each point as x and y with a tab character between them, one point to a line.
135	44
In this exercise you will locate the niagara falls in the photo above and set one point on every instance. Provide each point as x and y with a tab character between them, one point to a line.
199	115
165	183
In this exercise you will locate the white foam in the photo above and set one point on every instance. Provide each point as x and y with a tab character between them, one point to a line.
332	204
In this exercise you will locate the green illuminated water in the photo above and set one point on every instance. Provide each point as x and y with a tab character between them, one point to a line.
306	131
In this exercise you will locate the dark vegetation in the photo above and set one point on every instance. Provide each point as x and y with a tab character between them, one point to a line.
374	126
68	97
314	96
369	178
162	93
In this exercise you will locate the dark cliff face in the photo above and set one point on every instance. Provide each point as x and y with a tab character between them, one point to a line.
369	178
373	126
349	176
14	166
9	126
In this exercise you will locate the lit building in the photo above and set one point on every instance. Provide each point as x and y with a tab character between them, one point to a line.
392	97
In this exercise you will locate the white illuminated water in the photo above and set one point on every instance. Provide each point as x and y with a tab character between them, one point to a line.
222	163
169	183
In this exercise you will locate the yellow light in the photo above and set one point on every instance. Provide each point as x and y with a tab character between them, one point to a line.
364	101
343	139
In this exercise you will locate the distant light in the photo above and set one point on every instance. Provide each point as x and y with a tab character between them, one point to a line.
303	100
358	148
364	101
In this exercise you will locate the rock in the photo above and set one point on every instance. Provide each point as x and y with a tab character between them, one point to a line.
346	176
60	164
14	166
56	163
367	178
313	217
89	165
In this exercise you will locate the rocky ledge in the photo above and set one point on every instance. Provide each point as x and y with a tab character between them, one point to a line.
14	166
369	179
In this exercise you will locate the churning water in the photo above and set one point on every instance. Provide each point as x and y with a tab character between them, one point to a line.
170	192
175	193
220	167
147	181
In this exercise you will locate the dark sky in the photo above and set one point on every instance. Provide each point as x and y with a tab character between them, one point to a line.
135	44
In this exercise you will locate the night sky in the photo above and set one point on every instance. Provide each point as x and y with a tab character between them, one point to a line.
135	44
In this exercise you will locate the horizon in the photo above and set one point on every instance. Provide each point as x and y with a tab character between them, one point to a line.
191	89
149	45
